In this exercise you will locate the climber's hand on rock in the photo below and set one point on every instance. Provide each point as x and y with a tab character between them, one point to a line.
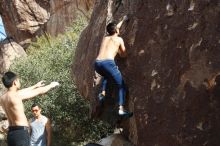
125	18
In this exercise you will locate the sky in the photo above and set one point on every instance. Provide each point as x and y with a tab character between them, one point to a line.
2	30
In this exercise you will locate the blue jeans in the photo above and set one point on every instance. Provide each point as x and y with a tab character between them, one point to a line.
108	69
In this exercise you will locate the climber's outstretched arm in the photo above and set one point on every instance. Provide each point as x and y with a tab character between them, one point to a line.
125	18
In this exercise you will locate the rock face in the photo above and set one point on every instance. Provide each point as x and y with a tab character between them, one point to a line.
173	54
26	19
63	13
10	50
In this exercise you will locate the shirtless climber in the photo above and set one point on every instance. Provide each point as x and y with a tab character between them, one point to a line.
106	67
12	104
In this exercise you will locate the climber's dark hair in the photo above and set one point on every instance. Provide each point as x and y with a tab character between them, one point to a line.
111	28
8	79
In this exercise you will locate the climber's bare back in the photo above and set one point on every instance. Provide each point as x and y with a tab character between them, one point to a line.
14	109
110	46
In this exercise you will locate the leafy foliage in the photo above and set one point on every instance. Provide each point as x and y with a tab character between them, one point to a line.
50	59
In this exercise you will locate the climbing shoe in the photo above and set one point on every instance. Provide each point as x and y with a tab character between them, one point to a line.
101	97
125	113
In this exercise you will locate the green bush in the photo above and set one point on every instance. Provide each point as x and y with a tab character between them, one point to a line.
50	59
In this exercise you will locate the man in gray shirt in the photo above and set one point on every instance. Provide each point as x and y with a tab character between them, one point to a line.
40	128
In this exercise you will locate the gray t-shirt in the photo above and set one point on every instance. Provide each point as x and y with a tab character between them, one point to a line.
38	131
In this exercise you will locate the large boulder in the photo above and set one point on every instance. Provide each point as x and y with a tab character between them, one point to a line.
115	140
3	141
173	53
3	127
26	19
10	51
63	13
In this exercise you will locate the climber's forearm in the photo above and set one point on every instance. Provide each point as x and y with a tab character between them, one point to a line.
125	18
120	24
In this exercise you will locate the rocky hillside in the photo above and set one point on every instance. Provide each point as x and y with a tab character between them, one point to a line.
26	19
173	55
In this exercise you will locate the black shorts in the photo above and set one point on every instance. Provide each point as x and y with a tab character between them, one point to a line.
18	136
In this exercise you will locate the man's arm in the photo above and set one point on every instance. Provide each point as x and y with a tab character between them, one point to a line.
39	84
122	50
26	94
125	18
48	129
